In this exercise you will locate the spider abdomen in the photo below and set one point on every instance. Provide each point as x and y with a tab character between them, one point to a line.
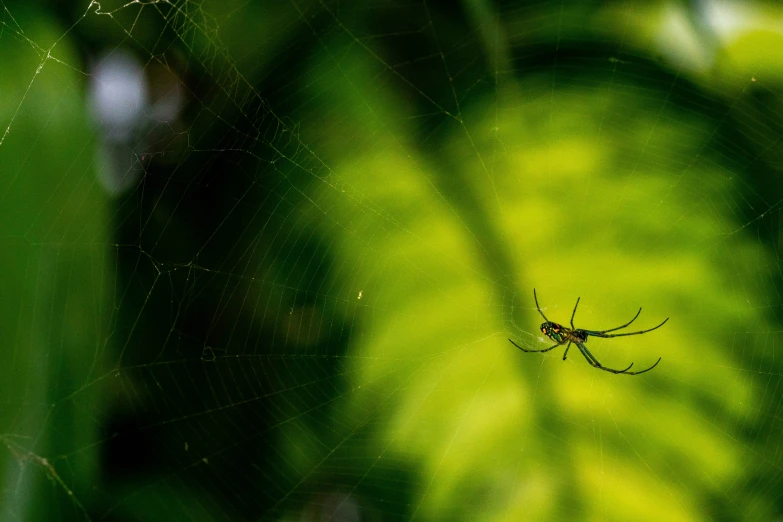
578	336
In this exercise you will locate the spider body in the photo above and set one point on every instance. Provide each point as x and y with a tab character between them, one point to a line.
568	336
562	334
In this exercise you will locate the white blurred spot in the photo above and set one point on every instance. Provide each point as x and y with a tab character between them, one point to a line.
680	40
692	34
117	102
118	94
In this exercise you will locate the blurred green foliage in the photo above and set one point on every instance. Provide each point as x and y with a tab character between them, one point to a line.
55	292
499	433
301	312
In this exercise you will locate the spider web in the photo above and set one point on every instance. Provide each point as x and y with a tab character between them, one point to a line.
262	260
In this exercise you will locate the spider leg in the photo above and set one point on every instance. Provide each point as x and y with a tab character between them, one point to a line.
538	307
540	351
588	355
594	362
647	370
618	328
603	334
565	354
574	313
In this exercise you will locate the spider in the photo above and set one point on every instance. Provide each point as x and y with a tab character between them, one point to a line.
562	335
